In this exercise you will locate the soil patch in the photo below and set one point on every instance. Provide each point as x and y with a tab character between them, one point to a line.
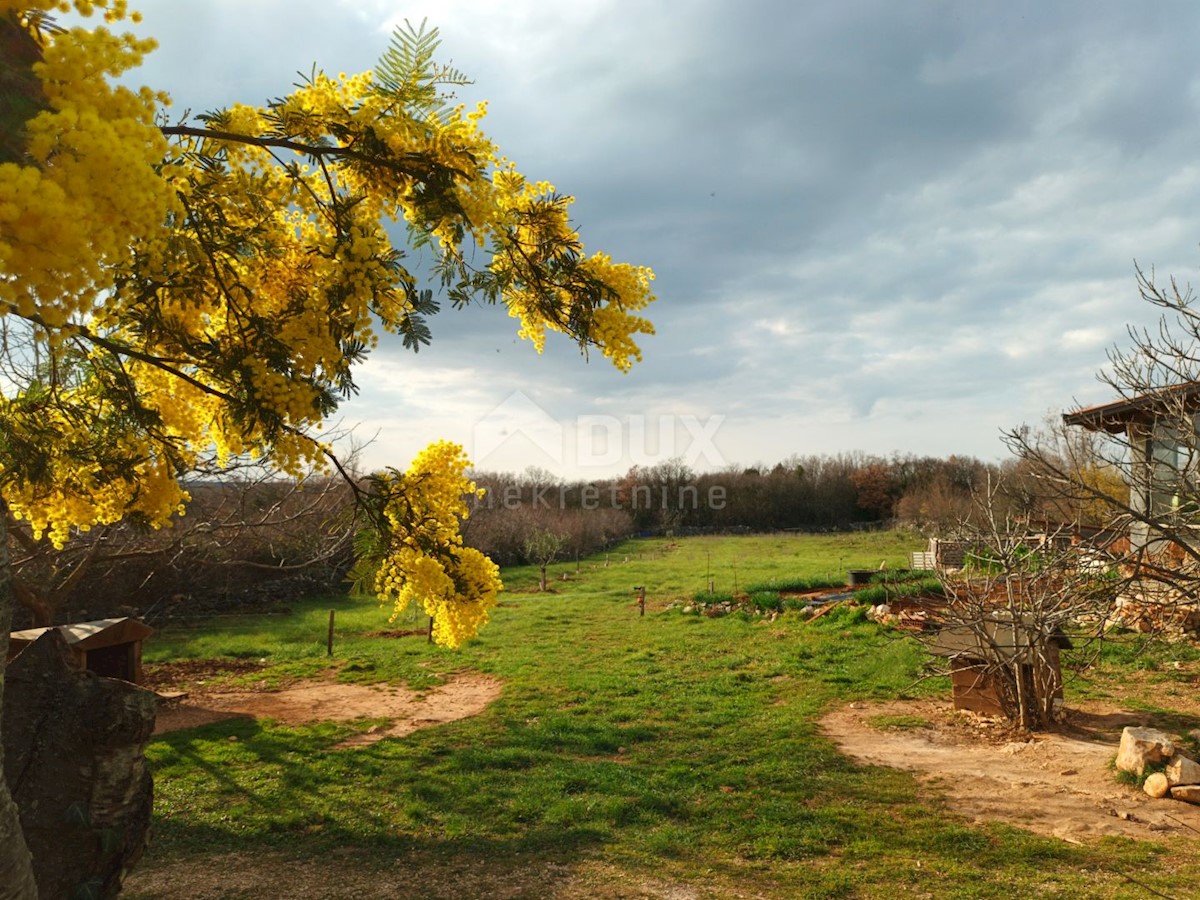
328	701
186	673
1058	783
393	633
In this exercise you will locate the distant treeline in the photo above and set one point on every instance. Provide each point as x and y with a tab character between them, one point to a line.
257	541
807	493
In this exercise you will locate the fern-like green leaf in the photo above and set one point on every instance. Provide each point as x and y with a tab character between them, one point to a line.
408	75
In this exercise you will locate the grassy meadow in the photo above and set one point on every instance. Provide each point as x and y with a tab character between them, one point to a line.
666	755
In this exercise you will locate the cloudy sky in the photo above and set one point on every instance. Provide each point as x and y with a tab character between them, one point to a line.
876	226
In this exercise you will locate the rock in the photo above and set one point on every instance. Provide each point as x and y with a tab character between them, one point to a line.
1156	785
1188	793
1141	747
78	774
1181	770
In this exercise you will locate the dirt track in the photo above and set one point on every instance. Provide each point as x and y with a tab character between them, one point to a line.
1058	784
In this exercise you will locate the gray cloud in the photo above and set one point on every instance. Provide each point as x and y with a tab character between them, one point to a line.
875	225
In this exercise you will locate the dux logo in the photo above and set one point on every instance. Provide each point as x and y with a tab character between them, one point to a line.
519	425
518	419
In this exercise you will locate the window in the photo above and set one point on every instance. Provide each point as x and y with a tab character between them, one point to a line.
1174	464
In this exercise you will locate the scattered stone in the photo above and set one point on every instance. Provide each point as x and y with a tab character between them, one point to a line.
1181	770
1066	772
1157	786
1188	793
1141	747
1058	710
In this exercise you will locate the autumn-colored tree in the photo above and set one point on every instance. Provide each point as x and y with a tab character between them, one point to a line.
173	290
876	488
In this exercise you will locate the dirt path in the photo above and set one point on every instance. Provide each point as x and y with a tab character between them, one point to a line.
328	701
1058	784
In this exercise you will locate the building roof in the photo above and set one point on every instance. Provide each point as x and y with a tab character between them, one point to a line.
995	638
90	635
1115	417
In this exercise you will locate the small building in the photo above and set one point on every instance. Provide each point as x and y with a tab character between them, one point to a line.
108	647
1160	432
942	554
986	655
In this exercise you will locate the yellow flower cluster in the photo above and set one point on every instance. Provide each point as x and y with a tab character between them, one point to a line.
614	324
426	562
214	291
69	220
97	471
533	230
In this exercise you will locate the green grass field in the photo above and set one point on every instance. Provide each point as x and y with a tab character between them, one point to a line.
667	750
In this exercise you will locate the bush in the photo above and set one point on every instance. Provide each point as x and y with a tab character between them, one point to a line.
796	585
873	595
704	598
885	592
768	601
901	576
845	614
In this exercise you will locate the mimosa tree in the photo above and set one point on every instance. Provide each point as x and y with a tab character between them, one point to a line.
170	289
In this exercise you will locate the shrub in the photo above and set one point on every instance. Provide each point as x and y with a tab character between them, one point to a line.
768	601
796	585
902	576
704	598
845	614
873	595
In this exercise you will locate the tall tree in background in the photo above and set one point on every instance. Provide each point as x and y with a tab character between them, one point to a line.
876	488
167	291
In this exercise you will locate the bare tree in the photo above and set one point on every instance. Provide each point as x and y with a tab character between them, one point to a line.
1010	608
542	547
1133	465
242	519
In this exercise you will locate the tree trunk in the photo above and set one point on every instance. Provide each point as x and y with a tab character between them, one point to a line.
16	865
